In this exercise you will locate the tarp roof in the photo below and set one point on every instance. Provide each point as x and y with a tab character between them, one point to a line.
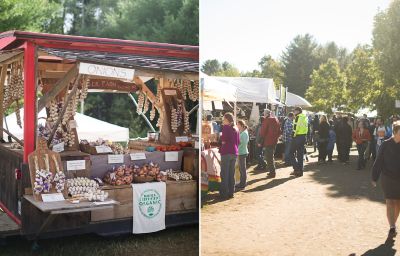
116	52
88	128
294	100
248	89
215	90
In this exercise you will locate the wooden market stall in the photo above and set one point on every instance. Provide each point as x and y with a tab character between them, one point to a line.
57	72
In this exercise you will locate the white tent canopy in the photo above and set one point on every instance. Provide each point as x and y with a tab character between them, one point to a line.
88	128
252	89
215	90
294	100
367	111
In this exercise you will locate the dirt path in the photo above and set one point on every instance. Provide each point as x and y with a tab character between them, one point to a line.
331	210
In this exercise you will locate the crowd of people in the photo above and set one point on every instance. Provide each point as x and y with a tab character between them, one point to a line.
373	139
296	131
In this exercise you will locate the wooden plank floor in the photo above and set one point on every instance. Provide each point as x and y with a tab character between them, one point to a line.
7	225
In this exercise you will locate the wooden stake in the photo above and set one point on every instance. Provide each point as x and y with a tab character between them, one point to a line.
58	87
12	136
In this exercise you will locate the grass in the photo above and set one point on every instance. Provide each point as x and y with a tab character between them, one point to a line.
174	241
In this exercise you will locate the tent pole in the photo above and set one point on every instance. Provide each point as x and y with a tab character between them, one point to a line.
143	115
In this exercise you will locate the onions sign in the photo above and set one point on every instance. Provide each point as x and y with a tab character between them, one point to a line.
106	71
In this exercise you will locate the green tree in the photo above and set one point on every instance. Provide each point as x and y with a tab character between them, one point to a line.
271	68
31	15
332	51
299	61
228	69
211	67
328	87
170	21
386	38
364	81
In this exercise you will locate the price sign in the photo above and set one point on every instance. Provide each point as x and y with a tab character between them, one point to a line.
171	156
103	149
170	92
138	156
76	165
59	147
182	139
54	197
196	144
115	159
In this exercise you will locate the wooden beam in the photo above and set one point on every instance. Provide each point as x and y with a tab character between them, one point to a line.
58	87
12	136
14	58
148	92
62	113
167	74
3	76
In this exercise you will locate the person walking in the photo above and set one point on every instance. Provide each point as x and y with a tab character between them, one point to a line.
243	153
287	137
331	142
372	143
387	168
229	151
300	129
381	132
270	133
361	137
323	139
315	126
261	165
344	140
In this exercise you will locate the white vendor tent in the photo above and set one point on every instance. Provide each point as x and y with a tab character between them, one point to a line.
216	90
252	89
294	100
367	111
88	128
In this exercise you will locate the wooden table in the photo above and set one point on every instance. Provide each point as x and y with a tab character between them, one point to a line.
63	207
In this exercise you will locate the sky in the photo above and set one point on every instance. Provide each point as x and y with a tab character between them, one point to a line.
243	31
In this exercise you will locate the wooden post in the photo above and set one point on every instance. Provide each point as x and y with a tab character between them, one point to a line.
2	79
29	99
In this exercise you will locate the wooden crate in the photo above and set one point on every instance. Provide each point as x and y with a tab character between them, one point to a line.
181	197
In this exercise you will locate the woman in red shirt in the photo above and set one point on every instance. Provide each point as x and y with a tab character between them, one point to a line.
361	136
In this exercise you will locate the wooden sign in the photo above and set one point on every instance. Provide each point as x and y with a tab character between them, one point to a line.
104	84
95	84
106	71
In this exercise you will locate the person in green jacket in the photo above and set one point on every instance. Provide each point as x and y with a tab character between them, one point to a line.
243	152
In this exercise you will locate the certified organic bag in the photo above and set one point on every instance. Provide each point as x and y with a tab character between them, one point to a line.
148	207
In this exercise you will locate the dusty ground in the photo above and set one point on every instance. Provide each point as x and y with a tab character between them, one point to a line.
331	210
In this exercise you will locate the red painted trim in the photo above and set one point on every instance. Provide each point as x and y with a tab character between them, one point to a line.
29	99
147	51
88	39
10	214
4	42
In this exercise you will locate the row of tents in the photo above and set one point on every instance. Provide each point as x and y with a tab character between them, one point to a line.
247	89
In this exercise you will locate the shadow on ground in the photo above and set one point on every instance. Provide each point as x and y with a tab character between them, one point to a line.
345	180
385	249
273	183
